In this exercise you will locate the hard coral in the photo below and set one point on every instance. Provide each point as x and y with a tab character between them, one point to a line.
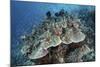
52	33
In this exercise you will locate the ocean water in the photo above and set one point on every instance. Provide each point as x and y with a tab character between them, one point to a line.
26	14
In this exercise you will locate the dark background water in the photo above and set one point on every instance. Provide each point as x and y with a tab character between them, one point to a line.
26	14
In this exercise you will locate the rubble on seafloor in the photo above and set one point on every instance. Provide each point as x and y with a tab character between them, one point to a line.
58	39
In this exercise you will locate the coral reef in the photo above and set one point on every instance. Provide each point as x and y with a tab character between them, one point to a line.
60	38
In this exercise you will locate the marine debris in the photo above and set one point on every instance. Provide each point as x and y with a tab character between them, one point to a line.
58	39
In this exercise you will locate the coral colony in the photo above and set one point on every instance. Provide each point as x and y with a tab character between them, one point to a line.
60	38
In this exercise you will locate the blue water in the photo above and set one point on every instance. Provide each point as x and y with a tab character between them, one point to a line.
26	14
